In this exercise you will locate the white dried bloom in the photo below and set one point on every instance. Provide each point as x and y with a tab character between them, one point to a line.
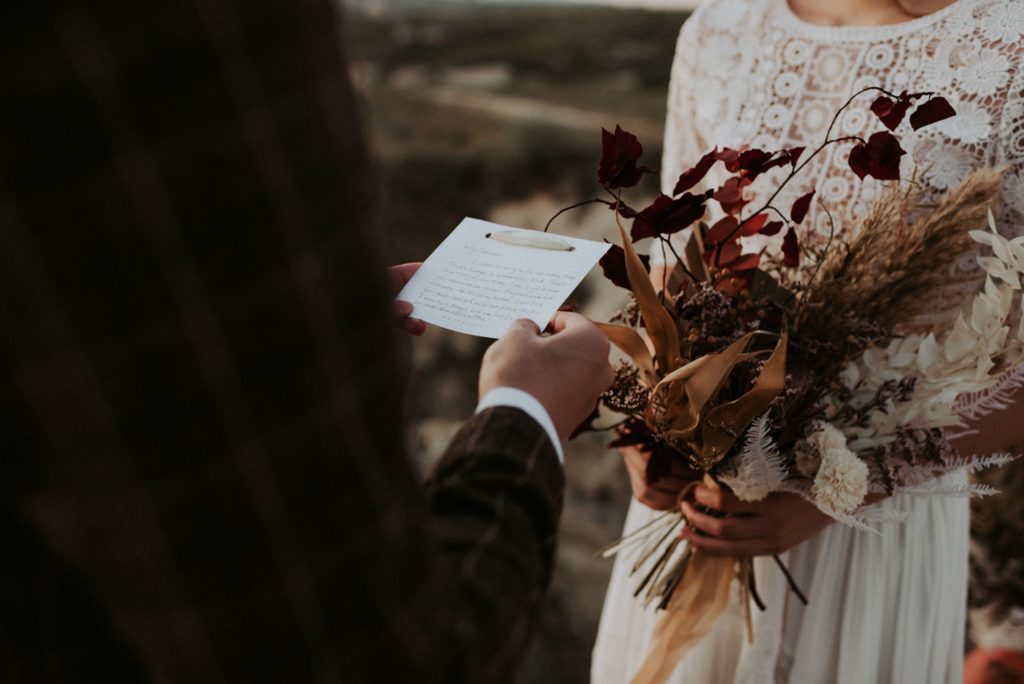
948	364
822	437
842	480
807	459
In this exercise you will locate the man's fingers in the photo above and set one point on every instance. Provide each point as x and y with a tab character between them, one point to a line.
400	309
566	320
523	326
413	326
399	275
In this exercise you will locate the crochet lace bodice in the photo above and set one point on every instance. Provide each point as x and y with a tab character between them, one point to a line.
750	72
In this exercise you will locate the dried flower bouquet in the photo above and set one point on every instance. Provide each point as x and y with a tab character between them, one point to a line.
800	371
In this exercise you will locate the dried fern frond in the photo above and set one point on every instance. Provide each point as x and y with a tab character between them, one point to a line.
760	468
998	397
897	257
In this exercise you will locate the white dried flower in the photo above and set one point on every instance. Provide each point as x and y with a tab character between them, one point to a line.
822	437
947	365
842	480
807	459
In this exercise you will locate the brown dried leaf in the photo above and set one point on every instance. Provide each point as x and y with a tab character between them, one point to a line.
694	256
724	424
659	323
702	380
630	342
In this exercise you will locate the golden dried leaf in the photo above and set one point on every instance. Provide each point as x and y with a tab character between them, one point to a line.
702	380
659	323
698	602
723	424
630	342
694	255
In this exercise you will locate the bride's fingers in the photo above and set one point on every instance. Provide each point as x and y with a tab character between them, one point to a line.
670	484
721	500
710	546
723	528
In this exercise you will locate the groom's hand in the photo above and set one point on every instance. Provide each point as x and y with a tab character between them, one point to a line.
566	371
401	311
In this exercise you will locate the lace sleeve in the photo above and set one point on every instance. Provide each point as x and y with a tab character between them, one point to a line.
1010	151
1005	393
683	144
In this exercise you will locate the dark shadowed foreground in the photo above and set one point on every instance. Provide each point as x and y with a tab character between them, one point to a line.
497	114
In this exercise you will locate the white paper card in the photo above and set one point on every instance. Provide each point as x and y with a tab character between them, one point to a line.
484	276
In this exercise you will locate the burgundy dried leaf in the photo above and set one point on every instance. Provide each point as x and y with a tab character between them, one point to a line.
729	157
744	262
666	216
801	207
691	177
753	225
791	249
891	112
753	160
717	255
772	228
613	264
659	466
778	159
624	210
934	110
880	158
663	460
730	194
793	155
620	153
634	433
721	230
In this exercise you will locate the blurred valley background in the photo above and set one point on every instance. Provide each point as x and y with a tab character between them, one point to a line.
495	111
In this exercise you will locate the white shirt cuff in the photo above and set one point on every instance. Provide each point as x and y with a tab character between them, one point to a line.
524	401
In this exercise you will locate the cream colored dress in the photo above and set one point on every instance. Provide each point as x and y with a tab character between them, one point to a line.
888	607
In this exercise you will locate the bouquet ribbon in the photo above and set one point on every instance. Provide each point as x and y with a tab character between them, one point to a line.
698	602
701	597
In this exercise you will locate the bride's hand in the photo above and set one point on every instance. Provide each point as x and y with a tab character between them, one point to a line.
661	495
761	528
401	310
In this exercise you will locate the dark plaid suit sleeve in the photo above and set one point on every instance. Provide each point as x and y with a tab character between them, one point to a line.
201	467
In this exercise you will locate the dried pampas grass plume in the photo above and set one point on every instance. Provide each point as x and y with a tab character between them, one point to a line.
896	259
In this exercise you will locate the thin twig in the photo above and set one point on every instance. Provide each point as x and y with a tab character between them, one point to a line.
596	200
821	261
789	578
753	592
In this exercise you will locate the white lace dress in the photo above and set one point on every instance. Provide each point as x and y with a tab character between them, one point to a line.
887	607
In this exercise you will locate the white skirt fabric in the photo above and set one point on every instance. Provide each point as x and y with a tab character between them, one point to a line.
886	607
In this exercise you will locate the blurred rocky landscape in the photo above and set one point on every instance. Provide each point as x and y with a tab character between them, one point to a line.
496	112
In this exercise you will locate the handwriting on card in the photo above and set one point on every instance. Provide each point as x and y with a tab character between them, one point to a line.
478	285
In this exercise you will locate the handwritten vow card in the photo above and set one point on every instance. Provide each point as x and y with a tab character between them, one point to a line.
484	276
